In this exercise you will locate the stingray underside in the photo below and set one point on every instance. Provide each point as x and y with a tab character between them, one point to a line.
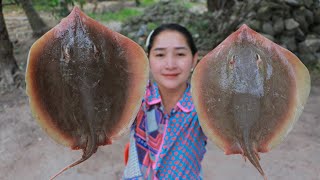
248	93
85	82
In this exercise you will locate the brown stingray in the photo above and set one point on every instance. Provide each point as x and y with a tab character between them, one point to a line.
85	83
248	93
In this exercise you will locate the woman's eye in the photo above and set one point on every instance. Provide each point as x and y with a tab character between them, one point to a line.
181	54
159	55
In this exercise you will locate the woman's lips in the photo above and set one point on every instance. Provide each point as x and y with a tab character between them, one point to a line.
171	76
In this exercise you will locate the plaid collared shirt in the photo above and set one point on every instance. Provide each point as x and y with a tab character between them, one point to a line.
165	146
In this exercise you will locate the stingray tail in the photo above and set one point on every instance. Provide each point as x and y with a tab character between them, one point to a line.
91	148
252	154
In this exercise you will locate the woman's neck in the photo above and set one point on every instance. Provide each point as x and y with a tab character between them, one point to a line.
170	97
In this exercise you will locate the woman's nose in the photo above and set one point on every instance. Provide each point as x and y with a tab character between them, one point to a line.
170	62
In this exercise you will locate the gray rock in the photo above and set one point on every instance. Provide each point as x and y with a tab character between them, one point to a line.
294	2
308	3
267	28
143	31
278	25
289	42
114	25
316	16
289	33
308	58
254	24
313	42
271	38
299	35
264	13
318	57
316	29
310	45
309	16
286	22
303	48
304	17
291	24
299	17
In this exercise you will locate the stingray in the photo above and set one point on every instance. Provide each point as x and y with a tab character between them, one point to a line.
249	92
85	83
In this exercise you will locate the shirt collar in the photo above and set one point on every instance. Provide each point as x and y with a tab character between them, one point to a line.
152	94
153	97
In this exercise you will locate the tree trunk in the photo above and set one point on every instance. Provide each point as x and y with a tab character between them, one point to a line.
37	24
8	65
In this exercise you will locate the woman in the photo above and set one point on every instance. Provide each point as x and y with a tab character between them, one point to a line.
166	140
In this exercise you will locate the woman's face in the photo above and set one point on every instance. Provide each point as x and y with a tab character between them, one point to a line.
171	60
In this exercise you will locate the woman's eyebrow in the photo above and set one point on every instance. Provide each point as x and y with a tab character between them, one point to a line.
182	47
159	49
176	48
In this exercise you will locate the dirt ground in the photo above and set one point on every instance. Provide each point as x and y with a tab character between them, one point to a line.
28	153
